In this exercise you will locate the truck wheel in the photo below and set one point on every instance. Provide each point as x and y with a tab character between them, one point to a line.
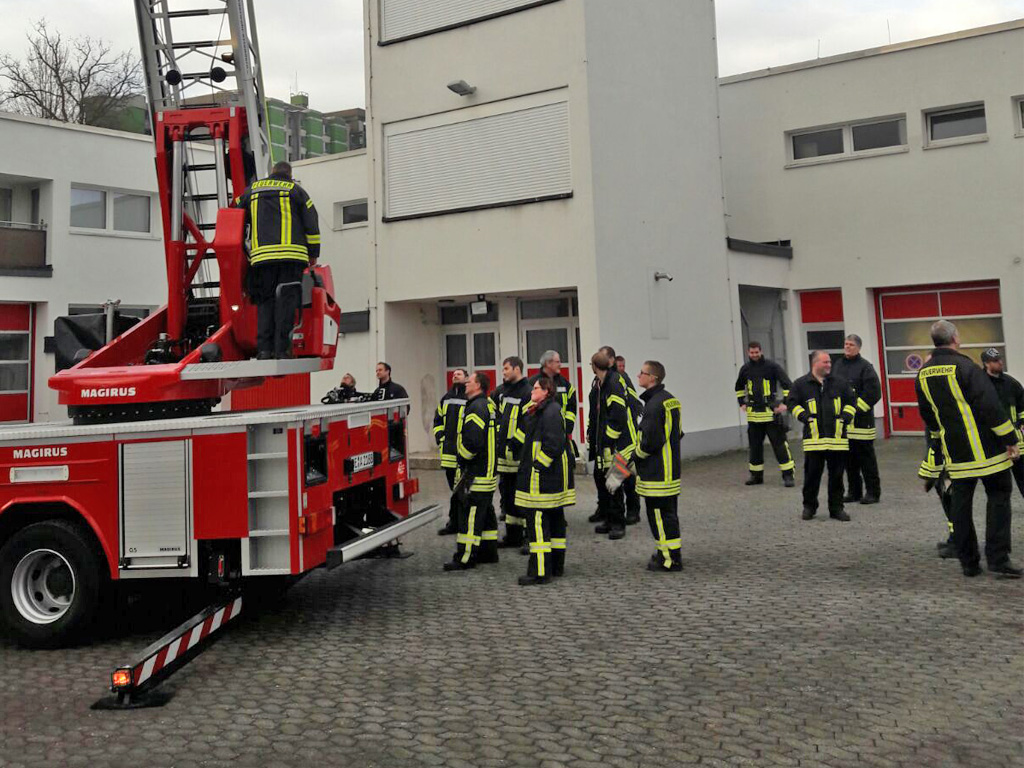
51	584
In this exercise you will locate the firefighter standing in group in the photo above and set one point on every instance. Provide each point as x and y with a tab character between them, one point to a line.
1011	396
477	539
511	398
447	418
610	430
545	483
658	463
636	407
965	420
756	386
284	239
864	484
825	405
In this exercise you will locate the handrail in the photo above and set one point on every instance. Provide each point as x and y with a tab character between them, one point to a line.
41	227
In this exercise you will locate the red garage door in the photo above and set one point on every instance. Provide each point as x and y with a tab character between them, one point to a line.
16	347
905	316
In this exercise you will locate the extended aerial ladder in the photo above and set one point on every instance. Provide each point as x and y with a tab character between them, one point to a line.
205	89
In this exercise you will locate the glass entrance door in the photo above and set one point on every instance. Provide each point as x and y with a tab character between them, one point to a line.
552	324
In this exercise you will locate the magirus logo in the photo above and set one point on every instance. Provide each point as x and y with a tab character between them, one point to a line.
54	452
108	392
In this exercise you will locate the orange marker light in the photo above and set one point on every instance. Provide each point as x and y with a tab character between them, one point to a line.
121	678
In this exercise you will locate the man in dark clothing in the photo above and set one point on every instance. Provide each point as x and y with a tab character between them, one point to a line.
284	239
1011	396
636	407
610	430
511	399
386	388
756	386
965	420
825	406
861	461
446	431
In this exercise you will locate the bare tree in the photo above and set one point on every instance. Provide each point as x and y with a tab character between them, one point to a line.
74	80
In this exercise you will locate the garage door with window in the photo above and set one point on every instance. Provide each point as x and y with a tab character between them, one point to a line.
905	316
16	362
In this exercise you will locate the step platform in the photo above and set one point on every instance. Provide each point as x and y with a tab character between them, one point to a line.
250	369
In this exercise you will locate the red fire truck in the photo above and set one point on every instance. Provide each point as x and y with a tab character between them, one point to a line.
147	480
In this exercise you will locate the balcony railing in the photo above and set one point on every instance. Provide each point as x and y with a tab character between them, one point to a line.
22	248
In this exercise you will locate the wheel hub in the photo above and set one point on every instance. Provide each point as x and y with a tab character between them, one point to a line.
43	586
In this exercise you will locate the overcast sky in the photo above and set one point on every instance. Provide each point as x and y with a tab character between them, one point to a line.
318	43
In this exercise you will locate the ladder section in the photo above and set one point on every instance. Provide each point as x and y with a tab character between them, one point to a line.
268	548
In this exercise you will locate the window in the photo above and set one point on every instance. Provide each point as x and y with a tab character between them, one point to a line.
1018	112
88	208
537	309
456	353
110	210
818	144
351	213
455	315
956	123
6	204
862	138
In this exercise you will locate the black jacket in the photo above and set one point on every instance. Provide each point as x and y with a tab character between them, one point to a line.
476	445
447	418
283	224
756	388
389	391
962	411
611	427
825	409
545	478
566	393
658	459
868	389
1011	396
510	400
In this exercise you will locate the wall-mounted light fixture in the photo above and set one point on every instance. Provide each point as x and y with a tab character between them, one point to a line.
663	276
462	88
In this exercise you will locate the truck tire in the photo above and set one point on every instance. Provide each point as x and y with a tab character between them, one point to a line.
52	581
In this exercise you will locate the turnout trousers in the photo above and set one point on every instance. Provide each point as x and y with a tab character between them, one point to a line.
757	431
631	498
546	531
815	463
514	521
862	470
1018	474
453	503
473	516
663	517
611	505
275	319
998	488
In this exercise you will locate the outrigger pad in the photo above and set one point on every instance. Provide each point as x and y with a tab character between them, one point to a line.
146	700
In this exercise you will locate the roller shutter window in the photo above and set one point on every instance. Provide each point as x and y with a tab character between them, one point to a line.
506	159
409	18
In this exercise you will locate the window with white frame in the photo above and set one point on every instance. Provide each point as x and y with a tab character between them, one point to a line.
353	213
862	138
1018	116
111	210
955	124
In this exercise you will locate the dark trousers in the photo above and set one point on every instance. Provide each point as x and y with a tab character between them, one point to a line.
1018	474
472	516
663	516
274	319
453	503
862	463
514	520
546	531
632	498
756	433
814	467
998	488
489	534
610	505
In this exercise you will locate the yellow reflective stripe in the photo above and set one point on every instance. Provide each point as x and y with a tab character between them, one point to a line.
785	394
862	404
740	393
616	399
662	541
614	434
968	416
556	543
759	417
282	201
862	433
468	538
1004	428
545	500
814	429
254	241
641	453
666	450
797	410
313	239
658	490
812	406
756	467
790	464
476	420
309	203
979	468
850	410
543	459
766	387
489	535
538	547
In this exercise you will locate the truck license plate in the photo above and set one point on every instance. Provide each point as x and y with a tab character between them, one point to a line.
362	461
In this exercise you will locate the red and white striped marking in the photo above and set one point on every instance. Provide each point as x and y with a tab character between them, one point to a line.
186	640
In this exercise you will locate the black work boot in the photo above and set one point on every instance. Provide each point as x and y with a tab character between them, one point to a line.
1006	570
557	562
755	479
840	515
597	517
869	499
787	479
809	513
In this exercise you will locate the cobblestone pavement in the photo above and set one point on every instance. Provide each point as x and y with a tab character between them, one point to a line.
783	643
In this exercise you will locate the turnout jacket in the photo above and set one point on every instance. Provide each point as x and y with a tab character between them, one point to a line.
545	477
868	390
1011	396
510	400
283	224
825	409
389	391
447	420
567	399
476	445
611	427
960	406
756	386
657	450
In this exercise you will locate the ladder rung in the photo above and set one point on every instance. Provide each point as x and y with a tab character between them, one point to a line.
201	44
214	284
194	12
206	226
205	196
202	167
201	75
